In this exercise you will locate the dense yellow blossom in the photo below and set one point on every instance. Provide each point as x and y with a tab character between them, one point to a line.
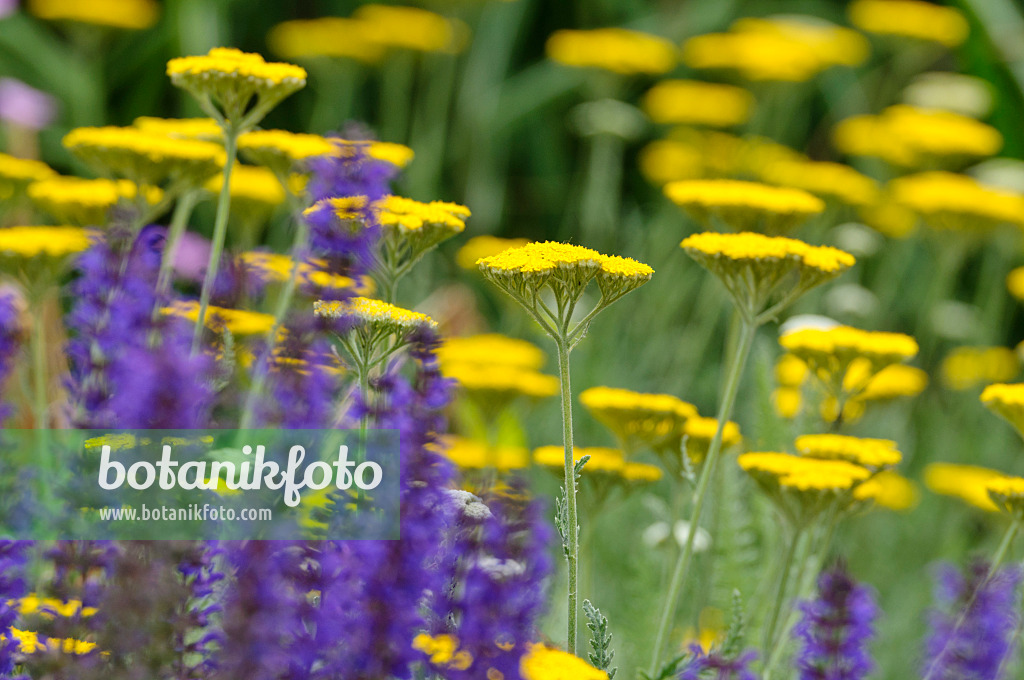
30	642
969	483
227	67
830	181
910	19
411	28
757	248
693	102
474	455
398	155
145	157
280	150
479	247
17	173
236	321
278	268
181	128
251	185
664	160
55	242
85	202
545	663
49	607
612	49
639	420
744	206
503	379
127	14
699	431
890	490
967	367
407	215
783	49
782	470
1008	401
835	349
950	201
874	454
913	137
690	153
894	381
490	349
376	312
325	37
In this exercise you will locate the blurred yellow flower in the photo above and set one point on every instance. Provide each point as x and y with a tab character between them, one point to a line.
969	483
692	102
474	455
910	19
546	663
236	321
744	206
889	490
126	14
490	349
85	202
639	420
17	173
830	181
612	49
411	28
967	367
1008	494
205	129
278	268
325	37
497	380
957	202
479	247
874	454
280	150
382	315
1008	401
255	191
53	242
443	650
699	431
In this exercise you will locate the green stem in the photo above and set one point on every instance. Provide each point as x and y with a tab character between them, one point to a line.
41	405
179	222
780	595
742	352
220	229
572	528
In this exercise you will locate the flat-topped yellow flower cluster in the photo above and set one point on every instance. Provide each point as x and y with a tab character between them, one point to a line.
240	322
822	348
374	312
549	257
946	200
750	248
612	49
639	420
874	454
744	206
910	19
206	129
17	173
227	63
85	202
1008	401
25	242
124	14
693	102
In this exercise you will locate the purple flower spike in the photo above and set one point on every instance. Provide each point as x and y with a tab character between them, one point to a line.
708	666
972	626
836	628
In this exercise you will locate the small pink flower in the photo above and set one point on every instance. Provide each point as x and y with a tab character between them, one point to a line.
24	105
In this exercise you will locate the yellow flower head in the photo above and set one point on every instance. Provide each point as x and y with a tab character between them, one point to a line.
254	190
639	420
1015	283
49	607
479	247
804	487
874	454
490	350
699	431
753	267
1008	494
278	268
411	28
969	483
280	150
913	137
499	381
146	158
50	242
744	206
408	216
692	102
895	381
232	79
603	460
889	490
236	321
910	19
546	663
443	650
968	367
776	49
473	455
85	202
325	37
126	14
380	315
205	129
1007	401
398	155
957	202
17	173
830	181
612	49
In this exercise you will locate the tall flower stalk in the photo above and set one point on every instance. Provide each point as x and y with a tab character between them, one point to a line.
758	271
562	272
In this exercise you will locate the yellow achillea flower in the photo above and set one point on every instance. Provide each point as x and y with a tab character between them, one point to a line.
969	483
895	381
873	454
753	267
398	155
606	465
243	84
967	367
205	129
1008	495
781	49
85	202
18	173
692	102
236	321
910	19
479	247
474	455
146	158
278	268
127	14
28	641
612	49
253	188
546	663
665	160
830	181
699	431
412	217
501	380
443	650
957	202
804	487
1007	401
744	206
490	349
279	150
639	420
689	153
411	28
889	490
53	242
70	645
50	607
380	314
1015	283
325	37
913	137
